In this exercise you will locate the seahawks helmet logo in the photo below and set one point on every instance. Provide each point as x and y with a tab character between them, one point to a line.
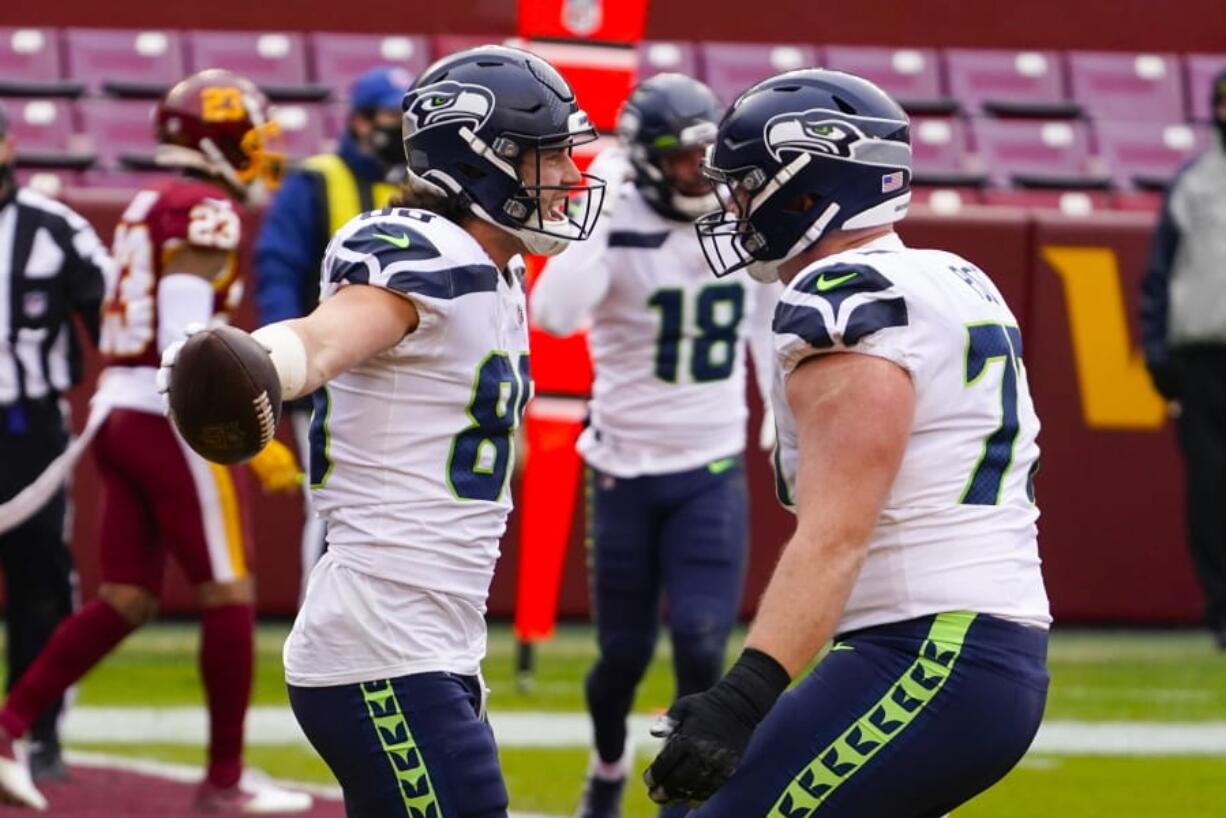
812	132
447	103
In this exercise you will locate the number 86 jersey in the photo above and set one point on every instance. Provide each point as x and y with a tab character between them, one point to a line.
412	451
957	531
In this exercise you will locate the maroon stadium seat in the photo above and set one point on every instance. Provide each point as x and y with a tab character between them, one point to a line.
659	56
945	200
304	128
122	179
1033	154
49	181
125	62
276	61
443	44
1068	202
1009	83
30	64
941	153
1146	155
1127	87
733	67
120	131
910	75
1202	69
340	58
44	132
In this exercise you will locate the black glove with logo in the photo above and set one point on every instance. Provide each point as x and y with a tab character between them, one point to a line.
706	733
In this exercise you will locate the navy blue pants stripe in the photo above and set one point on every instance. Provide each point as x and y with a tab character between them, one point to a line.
411	747
680	537
830	749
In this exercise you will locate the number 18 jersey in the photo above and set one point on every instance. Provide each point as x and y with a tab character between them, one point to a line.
958	530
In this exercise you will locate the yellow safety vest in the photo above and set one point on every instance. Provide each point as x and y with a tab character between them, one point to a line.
343	197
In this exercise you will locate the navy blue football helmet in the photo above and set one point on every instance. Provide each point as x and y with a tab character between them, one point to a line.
665	114
803	153
469	119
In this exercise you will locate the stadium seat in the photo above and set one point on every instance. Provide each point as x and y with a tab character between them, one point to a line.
945	201
126	63
733	67
127	180
910	75
43	130
1145	155
49	181
1202	69
119	131
658	57
1009	83
30	64
1031	154
275	61
1068	202
340	58
304	128
1118	87
941	153
443	44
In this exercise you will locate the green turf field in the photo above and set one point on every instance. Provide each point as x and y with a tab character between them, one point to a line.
1154	676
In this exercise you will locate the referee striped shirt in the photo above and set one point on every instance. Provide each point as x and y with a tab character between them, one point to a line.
52	265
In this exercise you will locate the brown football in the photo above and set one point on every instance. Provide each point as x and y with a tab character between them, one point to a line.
225	396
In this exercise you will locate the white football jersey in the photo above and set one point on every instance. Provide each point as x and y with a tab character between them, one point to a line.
668	343
412	452
958	529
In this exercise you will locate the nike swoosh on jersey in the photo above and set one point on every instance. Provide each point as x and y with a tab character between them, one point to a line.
721	466
841	646
399	241
824	284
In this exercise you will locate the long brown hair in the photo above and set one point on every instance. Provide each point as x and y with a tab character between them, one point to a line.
452	208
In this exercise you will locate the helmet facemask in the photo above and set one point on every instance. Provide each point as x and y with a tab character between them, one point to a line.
733	239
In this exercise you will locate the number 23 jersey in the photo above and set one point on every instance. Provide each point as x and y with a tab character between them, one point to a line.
412	450
958	529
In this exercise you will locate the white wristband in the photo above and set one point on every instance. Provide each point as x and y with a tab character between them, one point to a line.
288	354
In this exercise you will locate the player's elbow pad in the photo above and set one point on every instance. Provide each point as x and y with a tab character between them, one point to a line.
182	300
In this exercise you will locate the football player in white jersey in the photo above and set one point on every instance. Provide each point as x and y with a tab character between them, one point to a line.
421	347
666	433
907	449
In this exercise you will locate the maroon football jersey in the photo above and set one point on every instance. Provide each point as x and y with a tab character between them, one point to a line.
162	219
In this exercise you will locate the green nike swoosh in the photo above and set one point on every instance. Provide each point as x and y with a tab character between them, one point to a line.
402	241
824	283
841	645
721	466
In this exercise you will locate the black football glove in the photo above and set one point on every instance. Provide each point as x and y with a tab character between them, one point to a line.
706	733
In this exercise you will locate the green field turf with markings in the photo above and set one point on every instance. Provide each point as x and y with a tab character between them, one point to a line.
1161	678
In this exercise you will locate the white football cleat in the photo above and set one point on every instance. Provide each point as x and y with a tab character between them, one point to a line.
254	794
16	786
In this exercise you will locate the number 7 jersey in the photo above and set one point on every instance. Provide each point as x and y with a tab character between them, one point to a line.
412	450
958	529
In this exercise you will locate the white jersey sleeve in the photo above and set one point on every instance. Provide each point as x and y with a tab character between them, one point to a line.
957	531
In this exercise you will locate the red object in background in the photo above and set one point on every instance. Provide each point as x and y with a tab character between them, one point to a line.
613	21
602	75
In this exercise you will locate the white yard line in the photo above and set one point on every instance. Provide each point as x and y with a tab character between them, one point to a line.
276	725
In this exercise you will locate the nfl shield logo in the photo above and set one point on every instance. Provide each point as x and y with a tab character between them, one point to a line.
891	182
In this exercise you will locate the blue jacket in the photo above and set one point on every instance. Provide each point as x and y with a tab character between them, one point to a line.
293	237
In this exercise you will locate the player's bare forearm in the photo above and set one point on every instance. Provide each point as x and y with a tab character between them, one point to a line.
355	324
853	416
